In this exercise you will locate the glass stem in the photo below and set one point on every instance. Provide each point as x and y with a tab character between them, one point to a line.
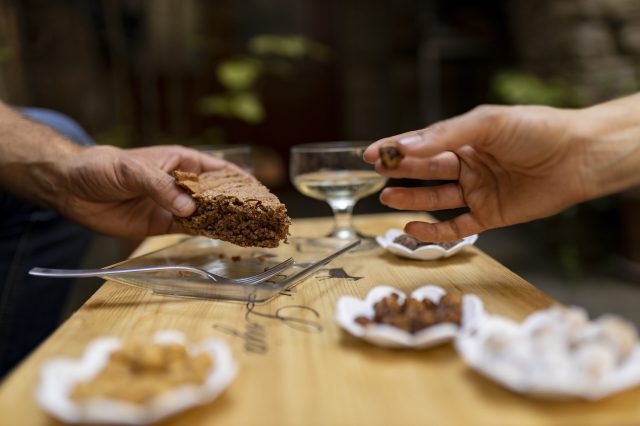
342	214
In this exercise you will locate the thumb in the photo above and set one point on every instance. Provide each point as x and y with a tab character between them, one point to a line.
474	128
161	188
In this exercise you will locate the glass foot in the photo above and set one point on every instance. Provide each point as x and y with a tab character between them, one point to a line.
331	242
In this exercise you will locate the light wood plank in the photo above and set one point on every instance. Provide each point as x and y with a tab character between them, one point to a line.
327	377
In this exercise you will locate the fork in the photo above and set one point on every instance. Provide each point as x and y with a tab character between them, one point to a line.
77	273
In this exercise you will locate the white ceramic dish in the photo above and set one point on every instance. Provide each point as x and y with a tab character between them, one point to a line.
59	377
502	350
428	252
349	308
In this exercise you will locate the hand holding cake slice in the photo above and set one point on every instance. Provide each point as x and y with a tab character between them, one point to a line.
234	207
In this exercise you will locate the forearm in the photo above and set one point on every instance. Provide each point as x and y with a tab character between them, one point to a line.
30	158
611	137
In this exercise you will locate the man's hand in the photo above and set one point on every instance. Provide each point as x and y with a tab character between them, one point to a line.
513	164
119	192
129	193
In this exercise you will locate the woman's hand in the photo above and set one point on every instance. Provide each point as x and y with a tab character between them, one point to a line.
509	164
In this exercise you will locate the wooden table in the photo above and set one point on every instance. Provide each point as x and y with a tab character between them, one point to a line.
308	376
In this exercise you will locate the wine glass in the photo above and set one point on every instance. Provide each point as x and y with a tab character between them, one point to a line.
336	173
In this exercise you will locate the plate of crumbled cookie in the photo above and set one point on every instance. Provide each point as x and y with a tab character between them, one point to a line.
388	317
404	245
137	381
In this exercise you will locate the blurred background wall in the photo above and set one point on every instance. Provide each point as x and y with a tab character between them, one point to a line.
361	69
275	73
140	72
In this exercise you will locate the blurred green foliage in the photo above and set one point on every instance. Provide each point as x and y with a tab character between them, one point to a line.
240	76
245	106
290	46
517	88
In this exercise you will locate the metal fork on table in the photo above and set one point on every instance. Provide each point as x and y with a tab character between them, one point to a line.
251	279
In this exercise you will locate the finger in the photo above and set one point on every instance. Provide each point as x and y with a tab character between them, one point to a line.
371	154
210	163
431	198
198	162
450	230
163	222
191	160
160	222
176	228
473	128
445	166
147	179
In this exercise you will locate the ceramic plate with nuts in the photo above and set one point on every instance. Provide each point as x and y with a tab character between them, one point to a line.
401	244
135	382
428	317
556	353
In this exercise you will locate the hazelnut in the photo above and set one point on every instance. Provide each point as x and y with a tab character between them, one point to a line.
390	157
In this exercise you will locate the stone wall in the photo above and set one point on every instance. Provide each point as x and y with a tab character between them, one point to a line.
592	44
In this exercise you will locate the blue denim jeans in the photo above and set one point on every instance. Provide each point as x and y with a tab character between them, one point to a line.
30	236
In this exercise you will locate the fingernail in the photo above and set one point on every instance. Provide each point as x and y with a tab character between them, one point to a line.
410	140
382	196
182	202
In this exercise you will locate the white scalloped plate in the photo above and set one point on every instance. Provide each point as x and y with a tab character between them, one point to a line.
428	252
518	375
59	376
349	308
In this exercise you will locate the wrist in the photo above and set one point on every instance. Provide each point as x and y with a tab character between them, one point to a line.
49	173
31	159
610	147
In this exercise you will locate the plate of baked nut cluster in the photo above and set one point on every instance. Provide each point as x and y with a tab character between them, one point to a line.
556	353
388	317
404	245
135	382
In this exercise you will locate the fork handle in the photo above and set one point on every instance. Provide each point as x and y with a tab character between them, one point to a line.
70	273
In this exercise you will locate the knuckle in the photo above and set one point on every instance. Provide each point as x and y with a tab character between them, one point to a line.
455	229
178	150
125	168
490	114
432	167
433	198
485	110
490	119
163	183
402	197
437	129
414	201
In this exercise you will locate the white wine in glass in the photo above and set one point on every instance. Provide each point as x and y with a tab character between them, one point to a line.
336	173
347	184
